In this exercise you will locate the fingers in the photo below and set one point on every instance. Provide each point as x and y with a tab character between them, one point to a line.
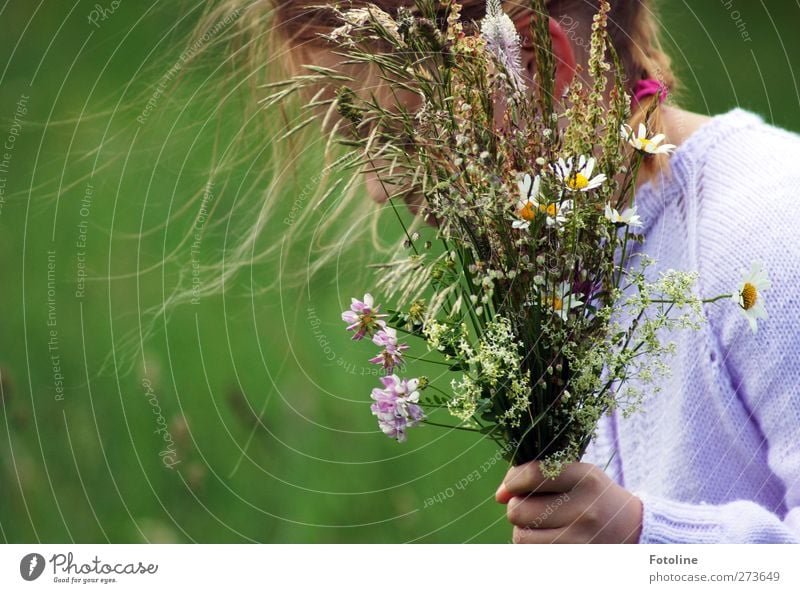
524	535
528	478
545	511
582	505
503	495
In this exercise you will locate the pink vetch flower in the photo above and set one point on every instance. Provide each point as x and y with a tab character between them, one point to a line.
397	406
392	354
363	317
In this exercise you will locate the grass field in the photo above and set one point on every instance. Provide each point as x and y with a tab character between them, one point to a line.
256	398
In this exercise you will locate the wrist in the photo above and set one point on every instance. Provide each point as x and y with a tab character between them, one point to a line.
637	515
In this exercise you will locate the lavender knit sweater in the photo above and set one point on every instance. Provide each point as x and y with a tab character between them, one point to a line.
715	457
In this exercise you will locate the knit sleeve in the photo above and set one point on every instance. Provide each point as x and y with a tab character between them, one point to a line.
740	522
763	368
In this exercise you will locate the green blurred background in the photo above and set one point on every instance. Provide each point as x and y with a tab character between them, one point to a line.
264	398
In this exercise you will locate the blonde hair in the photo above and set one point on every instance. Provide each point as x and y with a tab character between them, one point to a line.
271	40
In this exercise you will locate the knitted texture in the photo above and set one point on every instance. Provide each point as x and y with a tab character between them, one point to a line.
715	457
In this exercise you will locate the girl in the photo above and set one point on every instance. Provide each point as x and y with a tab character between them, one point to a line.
714	458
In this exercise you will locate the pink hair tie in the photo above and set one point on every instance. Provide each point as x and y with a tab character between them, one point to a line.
649	87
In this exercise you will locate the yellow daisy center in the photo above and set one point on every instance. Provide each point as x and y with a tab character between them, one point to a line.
527	212
645	142
555	302
749	296
551	209
578	181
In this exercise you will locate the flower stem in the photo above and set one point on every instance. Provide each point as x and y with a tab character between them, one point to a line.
714	300
447	364
450	426
717	298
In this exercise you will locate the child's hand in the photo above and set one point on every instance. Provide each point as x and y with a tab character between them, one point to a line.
582	505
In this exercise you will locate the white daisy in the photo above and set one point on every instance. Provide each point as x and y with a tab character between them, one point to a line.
528	201
533	203
526	211
628	216
556	213
749	297
578	178
644	144
529	188
562	300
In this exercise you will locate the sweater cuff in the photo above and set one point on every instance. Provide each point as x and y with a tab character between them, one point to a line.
669	522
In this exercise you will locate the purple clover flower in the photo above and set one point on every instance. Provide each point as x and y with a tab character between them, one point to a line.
363	317
392	354
397	406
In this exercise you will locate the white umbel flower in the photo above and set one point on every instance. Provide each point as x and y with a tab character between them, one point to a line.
578	176
749	297
642	143
628	216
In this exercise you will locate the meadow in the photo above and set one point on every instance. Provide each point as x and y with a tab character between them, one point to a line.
241	416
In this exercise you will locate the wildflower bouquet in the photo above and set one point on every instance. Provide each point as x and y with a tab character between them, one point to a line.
530	284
